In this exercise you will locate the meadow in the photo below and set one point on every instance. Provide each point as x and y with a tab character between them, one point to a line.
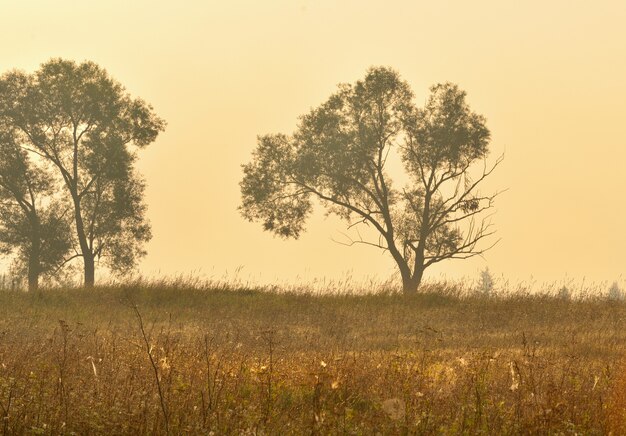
185	357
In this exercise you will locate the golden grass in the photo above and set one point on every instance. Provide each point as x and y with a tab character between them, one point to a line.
245	361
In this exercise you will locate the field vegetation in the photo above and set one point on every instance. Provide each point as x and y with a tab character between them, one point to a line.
190	357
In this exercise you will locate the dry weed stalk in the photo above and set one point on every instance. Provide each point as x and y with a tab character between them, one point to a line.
157	377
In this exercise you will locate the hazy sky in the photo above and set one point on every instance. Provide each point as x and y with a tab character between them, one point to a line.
550	76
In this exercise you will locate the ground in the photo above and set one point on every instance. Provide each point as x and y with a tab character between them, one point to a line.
177	357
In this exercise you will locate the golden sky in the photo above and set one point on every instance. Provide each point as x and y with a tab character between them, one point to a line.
550	76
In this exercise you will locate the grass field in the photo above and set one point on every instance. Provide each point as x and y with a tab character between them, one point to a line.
191	358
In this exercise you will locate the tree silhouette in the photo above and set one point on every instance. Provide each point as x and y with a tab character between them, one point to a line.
339	155
87	128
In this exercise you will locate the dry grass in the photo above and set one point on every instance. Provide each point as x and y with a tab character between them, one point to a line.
184	357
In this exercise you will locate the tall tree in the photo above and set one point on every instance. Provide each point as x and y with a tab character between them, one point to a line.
339	155
87	126
33	226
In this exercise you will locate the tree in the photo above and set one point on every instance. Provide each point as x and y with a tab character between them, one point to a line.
32	223
88	128
486	283
339	155
615	292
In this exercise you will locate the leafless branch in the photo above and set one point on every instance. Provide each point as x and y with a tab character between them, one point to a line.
352	242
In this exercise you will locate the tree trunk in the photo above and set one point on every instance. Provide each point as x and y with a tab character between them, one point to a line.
34	265
410	284
86	252
33	271
90	270
410	280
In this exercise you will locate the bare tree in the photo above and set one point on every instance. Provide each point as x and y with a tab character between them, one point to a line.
339	155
